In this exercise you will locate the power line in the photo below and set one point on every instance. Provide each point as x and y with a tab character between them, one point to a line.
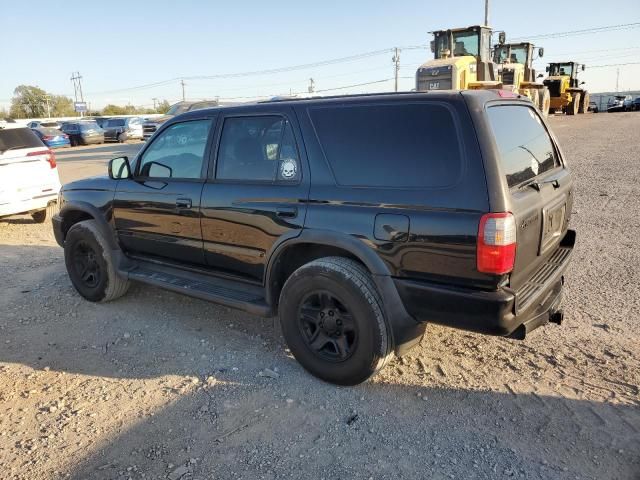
614	65
586	31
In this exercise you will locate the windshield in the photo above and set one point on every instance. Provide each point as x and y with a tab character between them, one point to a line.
561	69
116	122
178	108
511	54
464	43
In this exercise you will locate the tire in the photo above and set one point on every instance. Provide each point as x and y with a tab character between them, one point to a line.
121	138
343	338
89	264
42	216
573	107
544	101
584	103
552	111
533	96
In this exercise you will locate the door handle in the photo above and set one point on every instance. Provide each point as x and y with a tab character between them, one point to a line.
288	212
183	203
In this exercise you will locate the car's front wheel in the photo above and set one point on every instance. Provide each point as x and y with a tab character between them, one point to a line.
332	319
89	264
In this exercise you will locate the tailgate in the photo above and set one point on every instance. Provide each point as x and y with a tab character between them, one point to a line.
25	176
540	189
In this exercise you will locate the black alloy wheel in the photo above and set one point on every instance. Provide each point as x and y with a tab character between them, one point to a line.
327	327
85	263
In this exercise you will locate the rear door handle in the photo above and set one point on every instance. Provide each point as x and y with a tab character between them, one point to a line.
183	202
288	212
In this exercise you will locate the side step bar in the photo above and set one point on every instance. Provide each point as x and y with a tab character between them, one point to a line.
233	294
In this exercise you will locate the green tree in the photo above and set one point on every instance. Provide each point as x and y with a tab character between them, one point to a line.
61	106
28	102
114	110
163	107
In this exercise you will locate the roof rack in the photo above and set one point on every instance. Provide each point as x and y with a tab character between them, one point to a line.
323	97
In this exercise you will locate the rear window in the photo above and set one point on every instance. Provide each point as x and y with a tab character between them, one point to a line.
17	138
397	146
89	126
525	148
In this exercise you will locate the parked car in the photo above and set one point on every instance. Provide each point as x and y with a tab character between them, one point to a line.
636	104
619	103
29	181
355	219
83	132
99	120
150	126
43	123
8	123
121	129
52	137
593	107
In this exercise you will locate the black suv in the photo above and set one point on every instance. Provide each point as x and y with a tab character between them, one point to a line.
357	220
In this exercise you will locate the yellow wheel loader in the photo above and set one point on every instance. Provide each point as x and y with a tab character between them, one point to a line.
515	71
567	95
462	61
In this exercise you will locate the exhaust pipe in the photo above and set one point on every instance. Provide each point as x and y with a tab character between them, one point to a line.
556	317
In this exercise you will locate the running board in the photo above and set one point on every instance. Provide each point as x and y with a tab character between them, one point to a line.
230	293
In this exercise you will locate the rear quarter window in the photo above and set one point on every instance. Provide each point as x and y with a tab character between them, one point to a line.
390	145
524	145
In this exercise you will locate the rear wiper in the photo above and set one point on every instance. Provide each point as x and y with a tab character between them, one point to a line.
536	185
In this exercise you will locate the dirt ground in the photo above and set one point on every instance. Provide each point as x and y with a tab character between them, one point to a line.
157	385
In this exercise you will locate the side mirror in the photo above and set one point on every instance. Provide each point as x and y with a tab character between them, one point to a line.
583	67
433	46
540	75
502	37
119	168
541	52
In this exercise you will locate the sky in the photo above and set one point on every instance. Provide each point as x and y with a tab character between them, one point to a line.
123	48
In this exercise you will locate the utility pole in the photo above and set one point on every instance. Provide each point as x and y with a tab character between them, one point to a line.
396	60
486	12
618	79
312	86
154	102
76	78
183	84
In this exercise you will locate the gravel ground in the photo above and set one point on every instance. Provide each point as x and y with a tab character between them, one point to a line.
157	385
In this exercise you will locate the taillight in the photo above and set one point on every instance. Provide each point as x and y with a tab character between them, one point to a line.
496	252
47	137
51	158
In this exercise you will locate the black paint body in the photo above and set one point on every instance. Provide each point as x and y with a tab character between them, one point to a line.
418	244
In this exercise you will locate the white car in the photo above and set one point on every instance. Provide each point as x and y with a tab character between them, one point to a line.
29	181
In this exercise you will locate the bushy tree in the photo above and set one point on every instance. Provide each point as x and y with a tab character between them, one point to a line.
163	107
28	102
61	106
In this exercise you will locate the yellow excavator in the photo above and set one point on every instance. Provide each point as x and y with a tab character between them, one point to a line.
567	95
515	71
462	61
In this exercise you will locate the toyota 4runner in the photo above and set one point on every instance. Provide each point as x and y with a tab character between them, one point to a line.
357	220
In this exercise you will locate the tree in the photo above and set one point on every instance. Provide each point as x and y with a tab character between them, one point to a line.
163	107
28	102
61	106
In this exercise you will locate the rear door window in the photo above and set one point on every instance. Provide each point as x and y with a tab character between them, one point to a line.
18	138
396	146
525	147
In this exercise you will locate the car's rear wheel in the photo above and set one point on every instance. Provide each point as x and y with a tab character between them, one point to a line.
332	319
42	216
89	264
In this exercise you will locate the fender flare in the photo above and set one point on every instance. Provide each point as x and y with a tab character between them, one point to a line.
405	331
96	214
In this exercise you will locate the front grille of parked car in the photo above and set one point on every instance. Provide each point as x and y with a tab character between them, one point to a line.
553	86
148	130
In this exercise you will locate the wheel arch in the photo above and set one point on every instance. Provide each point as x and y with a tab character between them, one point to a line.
73	212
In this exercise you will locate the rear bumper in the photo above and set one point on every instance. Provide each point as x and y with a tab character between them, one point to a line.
501	312
17	207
